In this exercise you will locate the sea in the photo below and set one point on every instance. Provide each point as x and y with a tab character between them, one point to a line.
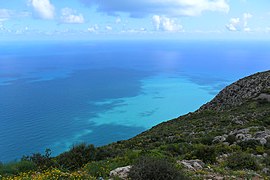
58	94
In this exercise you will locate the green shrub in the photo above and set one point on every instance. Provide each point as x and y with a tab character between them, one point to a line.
41	161
14	168
267	145
267	161
98	169
205	153
207	140
231	139
131	156
103	168
266	122
239	161
260	150
77	156
250	144
155	169
173	149
152	153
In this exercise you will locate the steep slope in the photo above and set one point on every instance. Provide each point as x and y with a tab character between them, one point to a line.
254	86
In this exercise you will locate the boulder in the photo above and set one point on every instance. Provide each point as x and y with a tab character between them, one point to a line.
264	96
240	136
218	139
243	137
262	134
121	172
193	165
263	141
266	170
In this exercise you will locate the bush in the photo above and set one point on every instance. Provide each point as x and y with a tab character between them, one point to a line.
205	153
14	168
41	161
251	144
98	169
77	156
239	161
155	169
51	174
231	139
267	161
267	145
207	140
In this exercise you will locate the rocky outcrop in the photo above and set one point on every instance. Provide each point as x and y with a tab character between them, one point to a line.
247	134
256	86
121	172
193	165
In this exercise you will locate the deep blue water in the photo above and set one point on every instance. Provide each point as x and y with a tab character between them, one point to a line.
56	94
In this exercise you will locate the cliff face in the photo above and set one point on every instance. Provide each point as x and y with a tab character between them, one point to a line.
256	86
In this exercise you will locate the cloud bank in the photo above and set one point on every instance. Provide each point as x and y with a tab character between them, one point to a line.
237	24
165	24
5	14
70	16
44	8
141	8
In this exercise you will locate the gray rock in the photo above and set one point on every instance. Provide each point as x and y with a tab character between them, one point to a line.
262	134
243	131
266	170
218	139
243	137
264	96
121	172
188	166
193	165
263	141
241	91
240	136
239	122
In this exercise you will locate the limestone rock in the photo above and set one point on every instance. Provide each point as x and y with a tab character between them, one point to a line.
218	139
121	172
263	141
193	165
266	170
252	87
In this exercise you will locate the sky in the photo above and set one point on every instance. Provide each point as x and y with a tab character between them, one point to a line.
135	19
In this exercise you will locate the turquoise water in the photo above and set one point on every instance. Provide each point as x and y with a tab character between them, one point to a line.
56	94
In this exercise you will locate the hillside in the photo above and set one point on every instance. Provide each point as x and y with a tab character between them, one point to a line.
227	138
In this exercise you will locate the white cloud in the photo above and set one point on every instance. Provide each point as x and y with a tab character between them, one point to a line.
70	16
22	30
135	31
108	28
44	8
237	24
234	24
93	29
246	17
118	20
166	24
140	8
5	14
1	26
